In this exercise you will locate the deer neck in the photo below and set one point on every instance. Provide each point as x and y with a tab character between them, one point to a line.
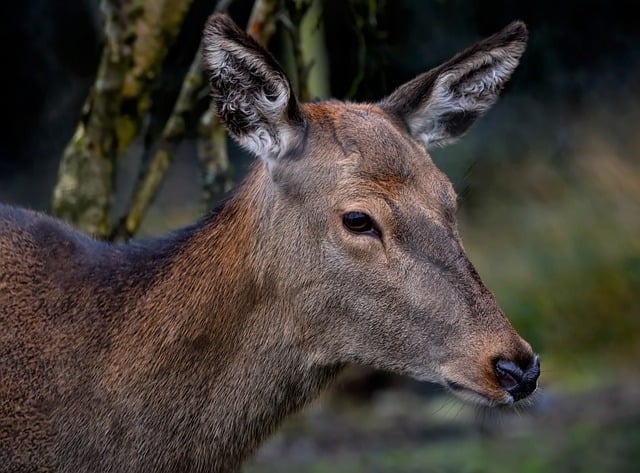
226	337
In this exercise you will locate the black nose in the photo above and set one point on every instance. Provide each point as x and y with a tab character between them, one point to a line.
515	381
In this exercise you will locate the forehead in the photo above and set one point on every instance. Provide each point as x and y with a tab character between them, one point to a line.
372	152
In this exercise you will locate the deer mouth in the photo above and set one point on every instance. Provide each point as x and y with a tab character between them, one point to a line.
474	396
510	384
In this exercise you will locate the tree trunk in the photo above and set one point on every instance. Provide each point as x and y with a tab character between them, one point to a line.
137	36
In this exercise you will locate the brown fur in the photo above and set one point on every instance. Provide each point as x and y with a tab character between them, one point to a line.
183	353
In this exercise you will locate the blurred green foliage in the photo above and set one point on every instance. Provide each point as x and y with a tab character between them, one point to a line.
559	244
582	448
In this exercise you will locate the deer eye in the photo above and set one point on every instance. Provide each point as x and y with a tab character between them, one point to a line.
359	222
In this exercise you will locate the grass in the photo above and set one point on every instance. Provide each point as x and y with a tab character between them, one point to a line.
570	453
581	447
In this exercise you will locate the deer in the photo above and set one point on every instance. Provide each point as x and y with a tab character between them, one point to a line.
339	247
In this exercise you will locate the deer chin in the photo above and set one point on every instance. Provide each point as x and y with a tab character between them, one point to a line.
491	396
474	396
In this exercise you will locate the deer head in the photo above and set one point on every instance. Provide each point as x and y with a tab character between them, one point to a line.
358	227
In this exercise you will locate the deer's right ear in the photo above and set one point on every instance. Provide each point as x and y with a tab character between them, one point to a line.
251	92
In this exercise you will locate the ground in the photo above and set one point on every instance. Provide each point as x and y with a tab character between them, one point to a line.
590	429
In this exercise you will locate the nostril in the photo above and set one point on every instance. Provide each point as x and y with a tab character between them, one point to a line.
514	380
533	372
509	374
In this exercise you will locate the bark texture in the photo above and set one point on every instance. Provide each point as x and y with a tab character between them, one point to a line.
138	34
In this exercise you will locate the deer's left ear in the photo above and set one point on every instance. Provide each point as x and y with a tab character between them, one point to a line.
440	105
251	93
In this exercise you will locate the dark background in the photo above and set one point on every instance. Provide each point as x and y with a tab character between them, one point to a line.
580	54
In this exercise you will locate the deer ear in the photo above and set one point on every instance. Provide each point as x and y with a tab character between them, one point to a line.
251	93
440	105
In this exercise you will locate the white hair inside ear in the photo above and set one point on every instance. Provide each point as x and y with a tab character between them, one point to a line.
440	105
250	92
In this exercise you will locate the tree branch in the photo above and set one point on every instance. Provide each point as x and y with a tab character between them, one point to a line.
173	132
82	193
137	36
